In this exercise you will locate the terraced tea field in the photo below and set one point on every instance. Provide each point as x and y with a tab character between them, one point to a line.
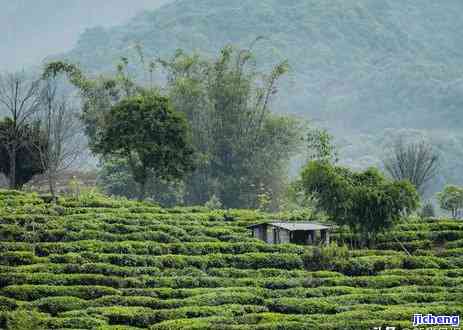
108	264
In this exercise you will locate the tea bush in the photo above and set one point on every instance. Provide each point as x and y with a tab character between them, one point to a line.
101	263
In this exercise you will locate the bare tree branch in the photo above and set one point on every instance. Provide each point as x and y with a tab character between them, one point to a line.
62	130
417	162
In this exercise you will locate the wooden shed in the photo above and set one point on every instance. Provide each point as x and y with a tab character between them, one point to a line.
306	233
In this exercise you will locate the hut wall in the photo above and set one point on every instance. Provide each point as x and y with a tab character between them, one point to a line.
270	234
299	237
258	232
325	236
284	236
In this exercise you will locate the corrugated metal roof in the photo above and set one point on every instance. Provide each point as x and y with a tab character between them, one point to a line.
299	225
292	226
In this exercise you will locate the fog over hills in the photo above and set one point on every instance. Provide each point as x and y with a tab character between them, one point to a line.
367	70
32	30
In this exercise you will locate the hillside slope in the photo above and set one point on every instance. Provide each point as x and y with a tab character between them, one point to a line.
362	68
387	60
99	263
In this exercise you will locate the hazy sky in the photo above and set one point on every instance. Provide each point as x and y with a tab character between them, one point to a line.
33	29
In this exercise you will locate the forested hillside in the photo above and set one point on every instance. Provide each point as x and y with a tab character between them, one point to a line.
363	69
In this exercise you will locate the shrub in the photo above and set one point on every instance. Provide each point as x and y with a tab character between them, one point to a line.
447	235
84	322
22	319
213	203
301	306
7	304
34	292
128	265
325	257
56	305
17	258
421	262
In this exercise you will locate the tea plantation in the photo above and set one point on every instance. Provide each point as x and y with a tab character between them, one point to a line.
99	263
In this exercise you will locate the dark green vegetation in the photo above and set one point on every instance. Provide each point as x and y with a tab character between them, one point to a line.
451	199
366	202
21	145
99	263
242	149
151	136
368	70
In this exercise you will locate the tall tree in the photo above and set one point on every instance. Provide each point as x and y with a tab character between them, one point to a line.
61	130
366	202
451	199
242	144
150	135
417	162
20	100
320	146
99	94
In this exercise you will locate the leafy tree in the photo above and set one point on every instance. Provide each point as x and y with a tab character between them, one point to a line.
20	100
242	145
27	160
153	138
320	146
417	162
366	202
101	97
98	94
451	199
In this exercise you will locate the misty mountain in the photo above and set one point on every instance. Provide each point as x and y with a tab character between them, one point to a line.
365	69
32	30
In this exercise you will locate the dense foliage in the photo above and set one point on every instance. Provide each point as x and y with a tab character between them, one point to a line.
115	179
28	162
365	201
244	150
151	136
100	263
244	147
451	199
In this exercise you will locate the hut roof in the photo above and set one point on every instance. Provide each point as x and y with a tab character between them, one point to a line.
293	226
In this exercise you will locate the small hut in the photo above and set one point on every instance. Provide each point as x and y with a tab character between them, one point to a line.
305	233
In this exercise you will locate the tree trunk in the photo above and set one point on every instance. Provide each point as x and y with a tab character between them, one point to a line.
12	176
52	184
141	195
